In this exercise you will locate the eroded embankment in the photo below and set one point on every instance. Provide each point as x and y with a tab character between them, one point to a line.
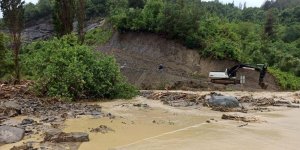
140	54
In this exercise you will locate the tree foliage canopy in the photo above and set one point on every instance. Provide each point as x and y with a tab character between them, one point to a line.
270	34
62	67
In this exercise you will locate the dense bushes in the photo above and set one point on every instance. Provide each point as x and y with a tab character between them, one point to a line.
221	31
6	63
61	67
2	55
287	81
98	36
34	12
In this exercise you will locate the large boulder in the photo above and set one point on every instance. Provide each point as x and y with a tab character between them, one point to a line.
10	108
223	101
9	134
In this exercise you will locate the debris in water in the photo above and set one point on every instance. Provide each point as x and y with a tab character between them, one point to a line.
140	105
66	137
243	125
175	99
293	106
240	118
102	129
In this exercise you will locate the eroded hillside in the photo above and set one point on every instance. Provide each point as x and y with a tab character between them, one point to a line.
140	54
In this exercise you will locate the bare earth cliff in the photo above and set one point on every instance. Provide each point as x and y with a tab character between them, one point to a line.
140	54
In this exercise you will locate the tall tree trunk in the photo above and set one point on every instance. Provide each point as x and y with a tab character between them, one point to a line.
16	49
63	16
80	18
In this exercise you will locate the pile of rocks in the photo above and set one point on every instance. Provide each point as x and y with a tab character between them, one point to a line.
45	109
175	99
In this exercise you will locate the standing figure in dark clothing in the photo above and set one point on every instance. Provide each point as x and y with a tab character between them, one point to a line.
160	67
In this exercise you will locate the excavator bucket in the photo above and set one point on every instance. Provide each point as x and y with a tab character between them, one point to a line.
263	85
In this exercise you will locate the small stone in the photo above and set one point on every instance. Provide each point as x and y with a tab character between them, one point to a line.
27	122
208	121
95	113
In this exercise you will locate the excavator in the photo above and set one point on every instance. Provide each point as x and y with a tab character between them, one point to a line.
229	76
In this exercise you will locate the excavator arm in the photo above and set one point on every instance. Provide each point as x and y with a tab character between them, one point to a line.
229	76
262	72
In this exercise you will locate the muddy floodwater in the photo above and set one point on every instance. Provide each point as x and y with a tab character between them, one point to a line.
161	127
146	124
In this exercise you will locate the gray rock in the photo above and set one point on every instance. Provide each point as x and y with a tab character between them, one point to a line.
223	101
66	137
27	121
9	134
293	106
12	104
95	113
10	108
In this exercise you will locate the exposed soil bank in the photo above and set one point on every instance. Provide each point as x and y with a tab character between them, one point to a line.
140	55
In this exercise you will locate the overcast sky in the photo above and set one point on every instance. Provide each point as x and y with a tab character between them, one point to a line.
250	3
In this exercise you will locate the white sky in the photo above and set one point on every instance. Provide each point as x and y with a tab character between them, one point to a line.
250	3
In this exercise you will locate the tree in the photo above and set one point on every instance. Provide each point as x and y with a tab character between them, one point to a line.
63	16
245	5
268	4
2	55
270	25
45	8
136	3
151	12
30	12
80	16
13	14
96	8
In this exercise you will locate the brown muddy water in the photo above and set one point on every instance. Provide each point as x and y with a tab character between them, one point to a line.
162	127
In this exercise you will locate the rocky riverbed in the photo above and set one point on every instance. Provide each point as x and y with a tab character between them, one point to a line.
28	122
23	116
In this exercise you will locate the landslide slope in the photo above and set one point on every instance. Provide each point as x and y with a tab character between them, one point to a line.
140	54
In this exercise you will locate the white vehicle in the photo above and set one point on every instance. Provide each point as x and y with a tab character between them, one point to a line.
218	75
229	75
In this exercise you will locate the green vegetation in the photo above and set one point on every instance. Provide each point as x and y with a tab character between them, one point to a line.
270	34
98	36
34	12
62	67
63	16
6	64
13	12
286	80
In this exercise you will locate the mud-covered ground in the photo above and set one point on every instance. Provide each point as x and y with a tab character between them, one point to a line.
154	120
